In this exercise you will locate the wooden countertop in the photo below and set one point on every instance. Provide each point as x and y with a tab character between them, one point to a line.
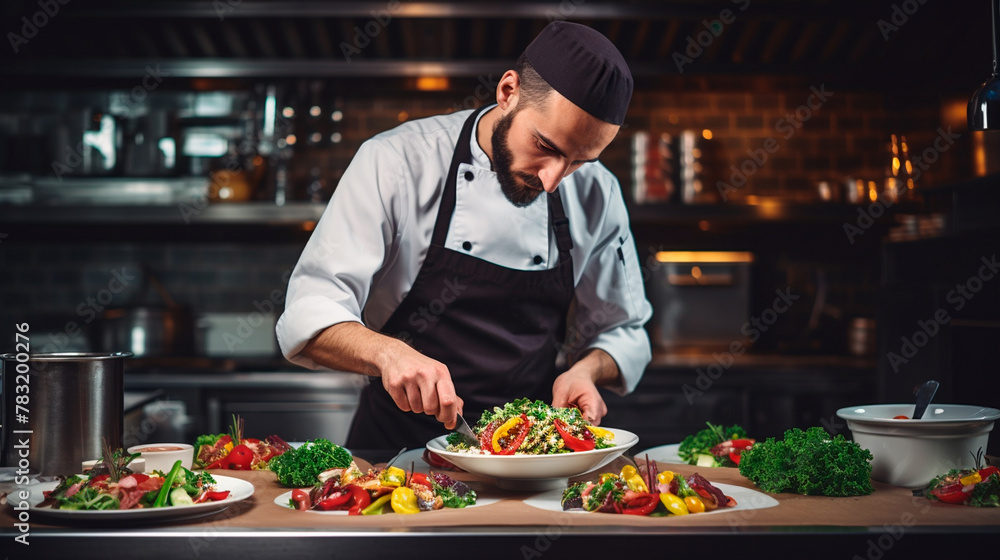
891	517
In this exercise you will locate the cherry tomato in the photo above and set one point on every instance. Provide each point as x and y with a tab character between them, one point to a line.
301	499
240	458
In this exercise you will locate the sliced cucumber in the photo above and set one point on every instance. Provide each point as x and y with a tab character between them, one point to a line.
179	497
705	460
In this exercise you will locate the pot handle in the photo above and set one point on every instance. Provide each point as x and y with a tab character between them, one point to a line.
160	289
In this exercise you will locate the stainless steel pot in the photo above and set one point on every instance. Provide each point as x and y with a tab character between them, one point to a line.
70	404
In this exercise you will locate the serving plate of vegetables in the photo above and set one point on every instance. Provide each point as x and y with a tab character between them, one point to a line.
112	492
530	441
348	491
714	446
648	491
233	451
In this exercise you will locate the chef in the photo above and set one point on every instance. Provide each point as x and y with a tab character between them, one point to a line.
472	258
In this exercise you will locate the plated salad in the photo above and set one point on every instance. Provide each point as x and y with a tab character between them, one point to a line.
715	446
978	487
112	486
382	490
236	452
526	427
650	492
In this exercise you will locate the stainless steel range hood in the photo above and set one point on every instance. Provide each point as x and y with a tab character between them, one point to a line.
824	38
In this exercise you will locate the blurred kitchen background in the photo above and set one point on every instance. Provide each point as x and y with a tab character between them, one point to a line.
805	193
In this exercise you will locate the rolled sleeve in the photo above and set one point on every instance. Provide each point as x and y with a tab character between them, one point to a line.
332	280
611	305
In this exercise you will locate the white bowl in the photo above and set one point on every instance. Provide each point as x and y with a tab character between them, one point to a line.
911	452
162	456
535	471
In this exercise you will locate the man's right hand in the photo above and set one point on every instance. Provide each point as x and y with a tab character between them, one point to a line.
414	381
420	384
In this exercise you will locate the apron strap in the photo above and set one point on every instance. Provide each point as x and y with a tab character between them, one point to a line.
560	223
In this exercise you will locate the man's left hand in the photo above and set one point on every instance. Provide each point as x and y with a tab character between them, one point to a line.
576	387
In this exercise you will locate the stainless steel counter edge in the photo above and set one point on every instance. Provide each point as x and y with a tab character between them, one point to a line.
815	542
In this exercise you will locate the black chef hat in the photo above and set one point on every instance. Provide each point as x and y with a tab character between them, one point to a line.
583	66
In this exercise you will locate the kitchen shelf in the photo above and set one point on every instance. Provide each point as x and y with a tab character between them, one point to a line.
765	212
299	214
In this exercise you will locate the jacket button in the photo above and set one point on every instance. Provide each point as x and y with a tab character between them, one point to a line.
537	259
467	246
469	176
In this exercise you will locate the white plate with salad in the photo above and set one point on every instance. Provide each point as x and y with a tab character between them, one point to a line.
285	499
239	490
746	499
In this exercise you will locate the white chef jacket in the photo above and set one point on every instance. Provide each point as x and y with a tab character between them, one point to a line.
370	243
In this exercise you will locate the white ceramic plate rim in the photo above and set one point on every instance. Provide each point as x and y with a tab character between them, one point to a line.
524	468
439	445
663	453
746	499
282	501
983	414
239	490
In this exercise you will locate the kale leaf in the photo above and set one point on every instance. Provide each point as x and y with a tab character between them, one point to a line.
809	462
300	467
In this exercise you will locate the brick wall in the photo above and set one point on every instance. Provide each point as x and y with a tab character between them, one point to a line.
846	134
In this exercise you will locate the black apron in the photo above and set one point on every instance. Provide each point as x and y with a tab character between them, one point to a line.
497	329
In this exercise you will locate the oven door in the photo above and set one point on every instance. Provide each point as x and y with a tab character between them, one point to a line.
294	416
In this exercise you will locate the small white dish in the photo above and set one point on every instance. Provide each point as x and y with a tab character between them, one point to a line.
162	456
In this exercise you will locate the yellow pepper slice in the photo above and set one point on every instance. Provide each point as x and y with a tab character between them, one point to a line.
694	504
673	504
503	430
404	501
600	432
393	476
605	477
633	479
637	484
973	478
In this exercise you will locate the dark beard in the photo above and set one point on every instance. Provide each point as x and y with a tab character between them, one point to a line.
520	195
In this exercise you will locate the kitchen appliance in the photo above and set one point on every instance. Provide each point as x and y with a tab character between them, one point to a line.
701	299
166	329
59	409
